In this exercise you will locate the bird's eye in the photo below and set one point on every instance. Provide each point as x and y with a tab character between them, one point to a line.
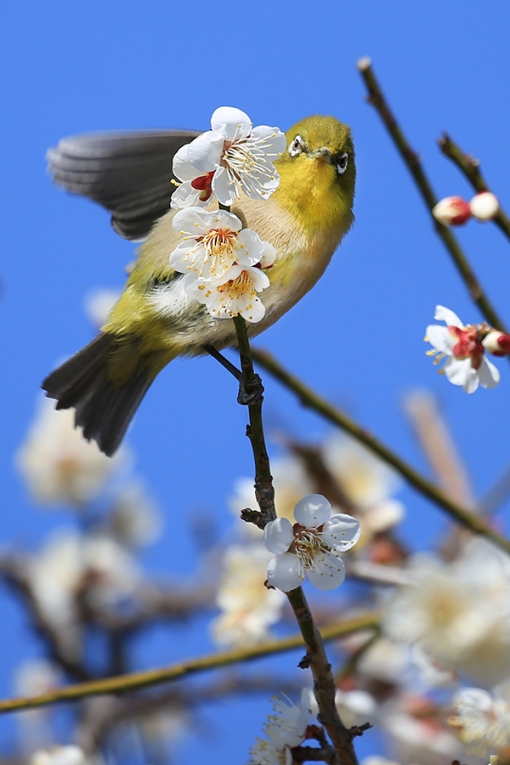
296	146
342	163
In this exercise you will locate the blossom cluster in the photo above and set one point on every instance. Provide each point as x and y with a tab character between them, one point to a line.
225	265
465	347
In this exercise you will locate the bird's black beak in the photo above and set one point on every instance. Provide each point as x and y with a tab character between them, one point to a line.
322	153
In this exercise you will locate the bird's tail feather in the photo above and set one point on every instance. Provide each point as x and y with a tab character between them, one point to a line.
103	409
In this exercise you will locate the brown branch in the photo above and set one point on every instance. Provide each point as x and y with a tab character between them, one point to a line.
471	169
177	671
312	400
323	680
413	164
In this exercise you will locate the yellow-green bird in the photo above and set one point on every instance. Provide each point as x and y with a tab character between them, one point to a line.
154	320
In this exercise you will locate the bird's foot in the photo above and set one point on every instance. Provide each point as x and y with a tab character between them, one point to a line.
255	395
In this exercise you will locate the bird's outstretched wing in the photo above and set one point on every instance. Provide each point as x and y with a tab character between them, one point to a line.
128	173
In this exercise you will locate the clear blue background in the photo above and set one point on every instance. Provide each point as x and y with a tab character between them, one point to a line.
84	66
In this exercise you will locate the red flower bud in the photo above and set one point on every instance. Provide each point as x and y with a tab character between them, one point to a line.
452	211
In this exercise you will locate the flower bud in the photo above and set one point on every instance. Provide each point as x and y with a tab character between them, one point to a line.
484	206
497	343
452	211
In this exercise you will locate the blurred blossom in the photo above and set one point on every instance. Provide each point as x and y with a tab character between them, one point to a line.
98	305
384	661
248	607
284	729
483	720
291	483
374	759
34	677
135	519
367	481
58	465
416	734
355	707
458	613
96	567
59	755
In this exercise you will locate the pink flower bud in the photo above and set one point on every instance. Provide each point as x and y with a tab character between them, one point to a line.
452	211
497	343
484	206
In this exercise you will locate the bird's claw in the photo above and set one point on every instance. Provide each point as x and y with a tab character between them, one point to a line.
254	396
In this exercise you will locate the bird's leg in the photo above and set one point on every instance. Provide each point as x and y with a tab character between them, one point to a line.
243	397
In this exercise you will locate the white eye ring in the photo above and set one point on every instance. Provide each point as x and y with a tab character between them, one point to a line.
342	165
296	146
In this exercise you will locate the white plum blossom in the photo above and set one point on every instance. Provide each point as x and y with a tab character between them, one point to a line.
311	548
463	349
98	304
284	729
416	733
231	158
483	720
58	465
484	206
235	294
212	243
248	608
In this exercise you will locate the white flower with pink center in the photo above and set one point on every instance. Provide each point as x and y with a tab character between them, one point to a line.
452	211
311	547
463	349
231	158
212	243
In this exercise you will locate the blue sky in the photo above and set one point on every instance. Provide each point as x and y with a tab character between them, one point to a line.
84	66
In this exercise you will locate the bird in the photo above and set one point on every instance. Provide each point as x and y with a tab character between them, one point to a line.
154	321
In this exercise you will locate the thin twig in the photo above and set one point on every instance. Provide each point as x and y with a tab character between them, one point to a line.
471	169
412	161
312	400
264	491
177	671
323	680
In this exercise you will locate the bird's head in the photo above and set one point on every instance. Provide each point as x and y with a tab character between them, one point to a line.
317	173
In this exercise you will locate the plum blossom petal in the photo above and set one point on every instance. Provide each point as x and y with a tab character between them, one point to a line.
278	536
286	572
231	122
460	372
448	316
488	374
341	531
233	295
440	337
205	151
328	572
313	510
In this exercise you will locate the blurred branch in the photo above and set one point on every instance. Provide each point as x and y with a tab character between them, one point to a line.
471	169
438	447
177	671
313	401
412	161
13	571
